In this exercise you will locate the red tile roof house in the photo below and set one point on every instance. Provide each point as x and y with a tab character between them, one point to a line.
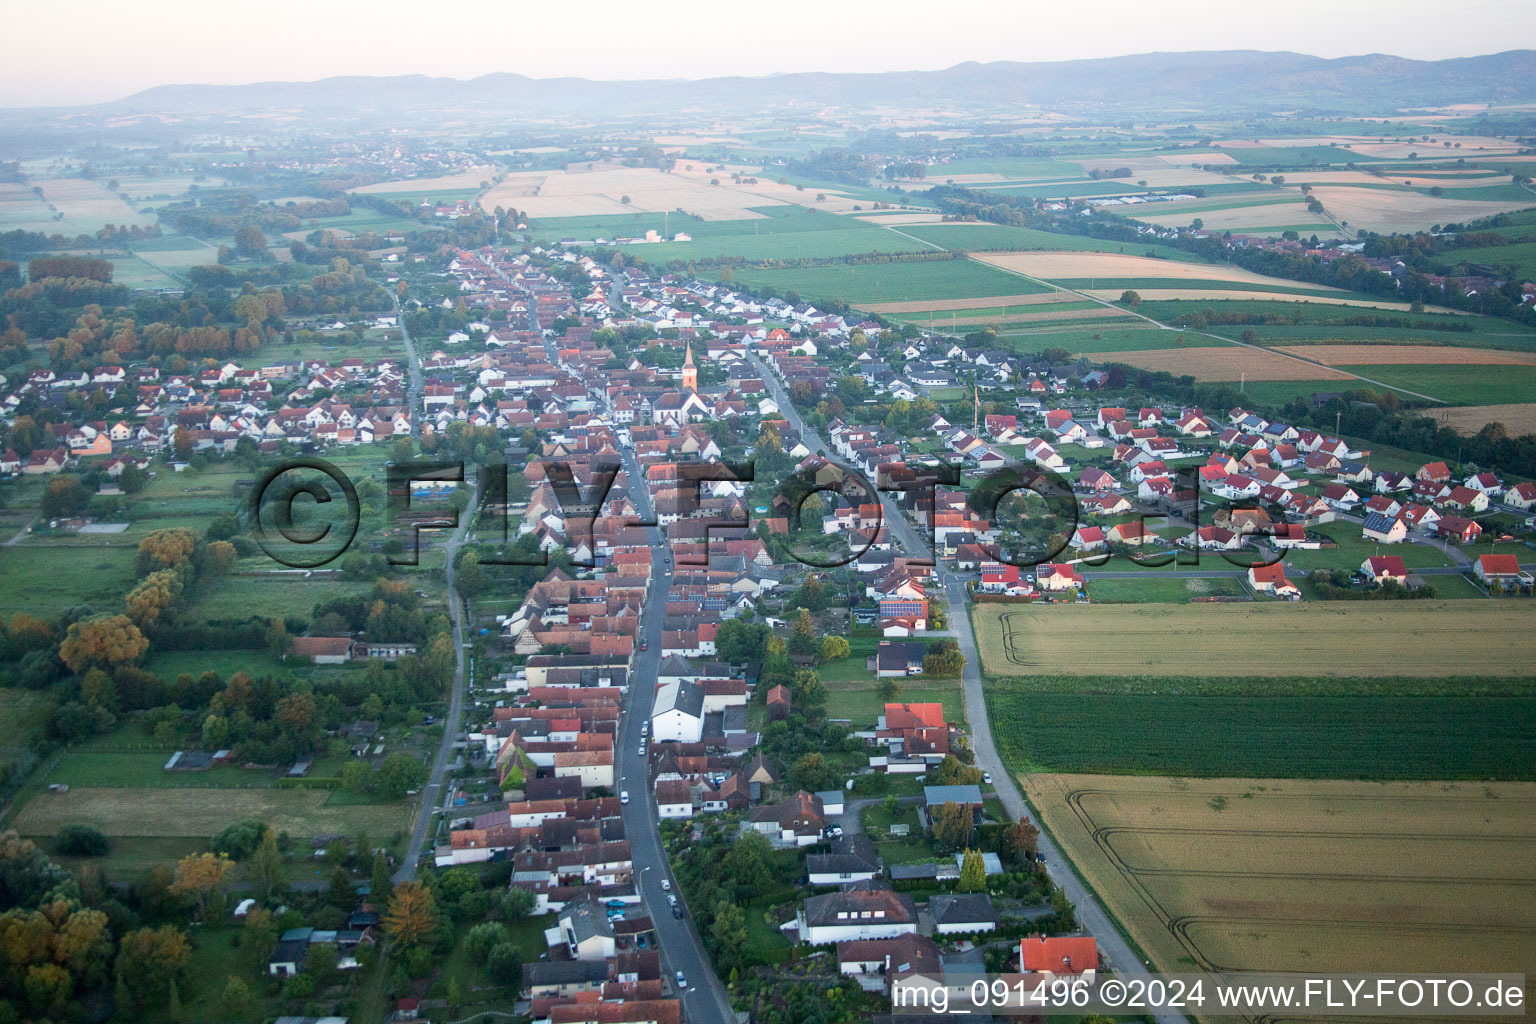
1385	567
1059	955
1456	528
1504	569
1270	579
322	650
1058	577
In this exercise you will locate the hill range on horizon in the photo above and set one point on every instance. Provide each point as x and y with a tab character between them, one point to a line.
1200	81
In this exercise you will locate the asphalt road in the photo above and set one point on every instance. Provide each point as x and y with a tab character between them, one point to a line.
412	370
1090	913
705	1000
433	794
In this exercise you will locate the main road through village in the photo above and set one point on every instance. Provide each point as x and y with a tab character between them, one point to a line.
1090	912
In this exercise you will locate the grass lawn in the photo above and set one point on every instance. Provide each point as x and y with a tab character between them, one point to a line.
1175	590
916	848
45	578
767	943
170	664
891	282
1105	340
1459	384
102	764
1354	549
861	703
981	237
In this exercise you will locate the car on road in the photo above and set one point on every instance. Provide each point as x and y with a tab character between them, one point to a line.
682	982
666	885
623	796
645	645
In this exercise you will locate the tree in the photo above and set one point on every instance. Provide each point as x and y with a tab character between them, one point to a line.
803	636
234	1001
728	934
889	689
1130	298
973	872
381	885
149	960
953	825
250	240
811	772
107	640
504	966
258	938
411	916
64	496
267	867
485	937
469	579
201	875
455	987
399	774
219	558
1019	843
240	839
944	659
80	841
951	772
834	648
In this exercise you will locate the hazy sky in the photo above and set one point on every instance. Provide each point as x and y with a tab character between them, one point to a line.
94	50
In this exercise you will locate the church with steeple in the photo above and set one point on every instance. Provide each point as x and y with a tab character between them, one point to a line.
690	372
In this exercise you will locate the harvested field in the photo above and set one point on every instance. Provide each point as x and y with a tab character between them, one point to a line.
1230	364
1443	637
1385	355
1077	265
68	206
467	180
1277	874
1519	419
1236	218
602	190
1383	210
202	812
1216	295
1041	315
984	302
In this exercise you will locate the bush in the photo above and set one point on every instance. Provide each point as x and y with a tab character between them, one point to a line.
80	841
240	839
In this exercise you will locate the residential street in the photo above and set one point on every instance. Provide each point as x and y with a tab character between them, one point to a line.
1090	913
706	999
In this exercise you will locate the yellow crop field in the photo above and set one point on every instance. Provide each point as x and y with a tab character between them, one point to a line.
1386	355
1417	638
1119	266
1518	419
1229	364
1309	876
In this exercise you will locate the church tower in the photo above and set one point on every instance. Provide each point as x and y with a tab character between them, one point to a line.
690	372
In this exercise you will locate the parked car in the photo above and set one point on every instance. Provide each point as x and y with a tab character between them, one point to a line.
623	796
986	777
682	982
666	885
677	911
672	899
